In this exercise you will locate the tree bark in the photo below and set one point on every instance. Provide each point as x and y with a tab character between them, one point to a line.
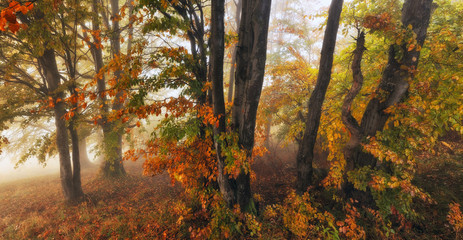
227	185
305	154
112	165
76	176
394	85
347	119
353	145
250	66
48	63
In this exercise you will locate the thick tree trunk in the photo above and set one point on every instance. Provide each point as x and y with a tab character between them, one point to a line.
251	56
305	153
112	165
250	66
113	131
393	86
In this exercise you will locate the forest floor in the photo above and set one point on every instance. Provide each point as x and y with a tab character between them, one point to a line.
142	207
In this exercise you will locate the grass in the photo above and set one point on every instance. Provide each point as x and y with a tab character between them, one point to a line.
140	207
131	208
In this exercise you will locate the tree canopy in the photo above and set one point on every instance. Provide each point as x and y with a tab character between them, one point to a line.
368	92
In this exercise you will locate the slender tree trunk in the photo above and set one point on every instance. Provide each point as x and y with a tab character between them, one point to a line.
97	54
268	127
71	64
351	148
76	176
49	66
227	185
305	153
233	59
348	120
394	84
112	165
131	4
198	49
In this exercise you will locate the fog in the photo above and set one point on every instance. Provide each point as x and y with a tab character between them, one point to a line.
29	169
32	167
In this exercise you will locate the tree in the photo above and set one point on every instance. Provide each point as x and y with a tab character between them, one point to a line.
291	72
34	48
112	129
305	153
185	120
217	41
401	67
185	129
250	67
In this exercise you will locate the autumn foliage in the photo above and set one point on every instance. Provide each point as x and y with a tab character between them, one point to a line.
8	16
144	91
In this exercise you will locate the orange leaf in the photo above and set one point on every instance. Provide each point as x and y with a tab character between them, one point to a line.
23	9
29	5
14	27
10	16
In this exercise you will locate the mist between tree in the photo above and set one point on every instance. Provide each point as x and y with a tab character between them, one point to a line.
236	119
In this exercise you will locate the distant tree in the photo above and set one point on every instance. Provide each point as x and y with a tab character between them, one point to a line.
113	130
291	72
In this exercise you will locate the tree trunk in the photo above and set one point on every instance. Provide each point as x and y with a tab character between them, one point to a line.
251	56
394	83
305	153
351	148
84	159
268	128
131	4
52	76
250	66
76	176
112	140
348	120
227	185
112	165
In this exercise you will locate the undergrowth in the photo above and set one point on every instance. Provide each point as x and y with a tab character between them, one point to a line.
140	207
